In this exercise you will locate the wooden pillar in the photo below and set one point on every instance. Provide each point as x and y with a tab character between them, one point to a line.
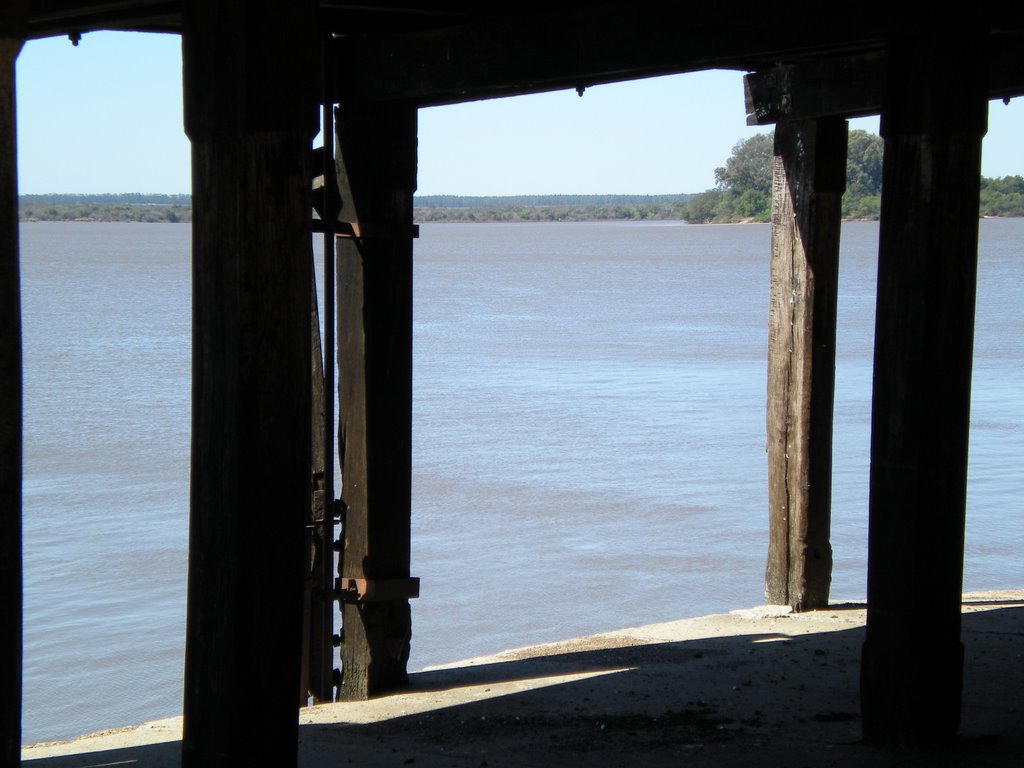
10	403
250	74
933	119
377	178
809	179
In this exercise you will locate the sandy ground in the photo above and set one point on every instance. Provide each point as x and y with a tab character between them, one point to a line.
752	687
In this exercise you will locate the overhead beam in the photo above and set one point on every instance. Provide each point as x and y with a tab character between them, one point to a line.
61	17
577	47
851	86
848	86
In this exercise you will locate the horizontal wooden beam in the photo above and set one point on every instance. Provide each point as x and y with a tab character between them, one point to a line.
59	17
377	590
13	14
577	47
62	17
851	86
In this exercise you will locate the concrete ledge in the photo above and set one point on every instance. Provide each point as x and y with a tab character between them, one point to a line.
760	686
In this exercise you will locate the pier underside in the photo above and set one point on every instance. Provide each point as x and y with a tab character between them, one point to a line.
255	76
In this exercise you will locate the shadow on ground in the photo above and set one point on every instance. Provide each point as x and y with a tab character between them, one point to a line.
775	697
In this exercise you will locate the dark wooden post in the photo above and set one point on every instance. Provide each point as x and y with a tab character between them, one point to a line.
377	178
933	119
318	600
809	179
10	400
250	75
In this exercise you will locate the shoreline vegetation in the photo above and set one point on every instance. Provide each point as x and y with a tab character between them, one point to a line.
635	209
742	193
132	206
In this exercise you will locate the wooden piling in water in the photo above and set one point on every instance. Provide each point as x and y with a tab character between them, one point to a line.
809	177
250	111
933	119
808	184
11	17
377	178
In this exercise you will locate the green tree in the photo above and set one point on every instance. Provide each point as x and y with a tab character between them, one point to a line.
744	183
864	164
750	166
700	209
1002	197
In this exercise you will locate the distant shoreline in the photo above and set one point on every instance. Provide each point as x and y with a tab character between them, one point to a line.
430	208
178	215
182	214
1000	198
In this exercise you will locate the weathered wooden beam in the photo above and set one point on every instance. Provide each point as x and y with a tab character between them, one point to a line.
847	86
321	536
318	602
61	17
10	400
250	111
851	86
570	47
933	120
377	178
808	184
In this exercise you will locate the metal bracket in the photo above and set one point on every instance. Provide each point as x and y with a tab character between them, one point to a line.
362	230
349	590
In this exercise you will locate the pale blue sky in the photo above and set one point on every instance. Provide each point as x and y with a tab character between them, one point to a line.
106	117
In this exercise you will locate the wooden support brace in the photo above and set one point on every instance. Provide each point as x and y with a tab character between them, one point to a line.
809	178
377	178
363	230
10	412
933	120
377	590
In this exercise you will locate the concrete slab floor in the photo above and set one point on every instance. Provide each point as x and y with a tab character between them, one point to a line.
752	687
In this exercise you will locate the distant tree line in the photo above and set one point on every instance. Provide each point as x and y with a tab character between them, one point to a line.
1002	197
123	198
177	208
585	201
609	212
743	190
455	208
131	206
173	214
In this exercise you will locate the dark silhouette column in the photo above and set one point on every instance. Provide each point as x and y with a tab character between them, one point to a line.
250	76
933	118
11	19
808	184
377	178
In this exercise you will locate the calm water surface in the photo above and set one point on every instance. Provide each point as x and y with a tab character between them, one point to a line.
588	441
